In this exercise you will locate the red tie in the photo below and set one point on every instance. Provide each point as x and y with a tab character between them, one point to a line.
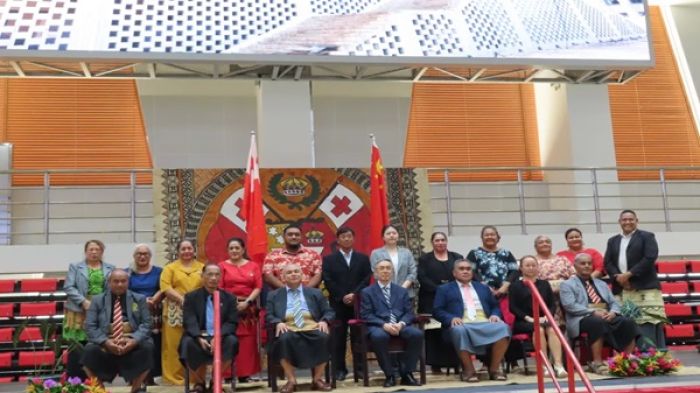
592	295
117	323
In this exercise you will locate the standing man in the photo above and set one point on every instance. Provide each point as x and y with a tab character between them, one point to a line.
292	252
470	315
118	326
197	343
300	316
630	259
388	311
345	273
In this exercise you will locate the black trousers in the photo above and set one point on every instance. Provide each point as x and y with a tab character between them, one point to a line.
343	313
74	366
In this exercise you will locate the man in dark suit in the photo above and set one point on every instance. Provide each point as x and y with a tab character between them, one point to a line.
196	345
345	273
118	326
472	317
300	316
388	311
630	259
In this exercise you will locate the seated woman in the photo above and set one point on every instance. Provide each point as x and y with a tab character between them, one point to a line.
520	300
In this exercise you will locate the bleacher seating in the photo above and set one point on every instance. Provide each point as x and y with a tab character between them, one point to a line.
39	285
681	295
24	305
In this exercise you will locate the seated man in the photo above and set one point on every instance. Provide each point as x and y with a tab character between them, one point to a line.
196	345
118	326
388	311
300	316
591	308
469	312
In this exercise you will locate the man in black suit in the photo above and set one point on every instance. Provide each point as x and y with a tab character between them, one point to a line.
629	260
196	345
300	316
388	311
345	273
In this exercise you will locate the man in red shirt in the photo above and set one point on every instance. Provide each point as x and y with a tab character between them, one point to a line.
293	252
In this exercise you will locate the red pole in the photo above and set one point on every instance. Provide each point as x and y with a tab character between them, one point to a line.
217	343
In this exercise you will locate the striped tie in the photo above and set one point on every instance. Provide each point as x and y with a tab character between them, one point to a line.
296	309
592	295
117	323
387	297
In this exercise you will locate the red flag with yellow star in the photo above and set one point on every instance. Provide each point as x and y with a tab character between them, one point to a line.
379	211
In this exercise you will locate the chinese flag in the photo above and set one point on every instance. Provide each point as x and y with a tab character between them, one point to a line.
379	211
252	210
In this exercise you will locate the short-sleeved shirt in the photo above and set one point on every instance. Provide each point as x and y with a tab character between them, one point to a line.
308	259
494	267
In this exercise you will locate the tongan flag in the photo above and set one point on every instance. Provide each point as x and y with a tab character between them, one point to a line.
379	211
252	211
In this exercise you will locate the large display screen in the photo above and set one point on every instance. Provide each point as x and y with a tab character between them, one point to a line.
341	31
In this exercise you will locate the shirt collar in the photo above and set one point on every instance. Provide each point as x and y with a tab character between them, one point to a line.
346	254
290	289
629	236
302	250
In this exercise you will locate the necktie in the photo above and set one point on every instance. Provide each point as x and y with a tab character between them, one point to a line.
210	316
387	297
117	323
592	295
296	309
471	306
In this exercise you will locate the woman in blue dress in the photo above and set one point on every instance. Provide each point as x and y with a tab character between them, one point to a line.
144	279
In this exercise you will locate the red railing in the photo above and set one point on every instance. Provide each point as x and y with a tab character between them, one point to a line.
217	343
541	355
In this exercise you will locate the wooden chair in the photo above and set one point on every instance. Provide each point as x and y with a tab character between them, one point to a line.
274	368
361	344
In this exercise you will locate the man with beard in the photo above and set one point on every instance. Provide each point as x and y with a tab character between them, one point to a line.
292	252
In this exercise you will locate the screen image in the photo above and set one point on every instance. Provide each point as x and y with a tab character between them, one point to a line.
433	31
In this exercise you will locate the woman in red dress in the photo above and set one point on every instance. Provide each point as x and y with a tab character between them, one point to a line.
243	279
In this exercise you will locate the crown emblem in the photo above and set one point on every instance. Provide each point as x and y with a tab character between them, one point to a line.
294	186
314	237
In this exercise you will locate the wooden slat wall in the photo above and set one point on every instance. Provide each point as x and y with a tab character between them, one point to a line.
472	126
74	124
652	121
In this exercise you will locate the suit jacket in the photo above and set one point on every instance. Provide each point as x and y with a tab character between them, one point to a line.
642	252
449	304
98	320
341	279
407	269
276	305
574	299
76	284
194	313
376	312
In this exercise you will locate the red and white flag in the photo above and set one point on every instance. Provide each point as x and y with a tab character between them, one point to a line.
379	211
252	210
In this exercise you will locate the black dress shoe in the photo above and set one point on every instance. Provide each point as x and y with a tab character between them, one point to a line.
389	381
340	375
408	380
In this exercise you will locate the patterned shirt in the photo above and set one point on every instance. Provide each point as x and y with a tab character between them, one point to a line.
308	259
494	268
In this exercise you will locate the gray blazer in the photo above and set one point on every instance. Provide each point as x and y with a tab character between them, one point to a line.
407	270
574	299
76	284
99	317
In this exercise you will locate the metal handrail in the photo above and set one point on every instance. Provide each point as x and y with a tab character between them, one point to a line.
572	363
518	189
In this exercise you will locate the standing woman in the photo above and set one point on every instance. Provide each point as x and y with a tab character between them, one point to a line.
435	269
144	279
243	279
574	240
521	306
497	267
178	278
405	269
84	280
